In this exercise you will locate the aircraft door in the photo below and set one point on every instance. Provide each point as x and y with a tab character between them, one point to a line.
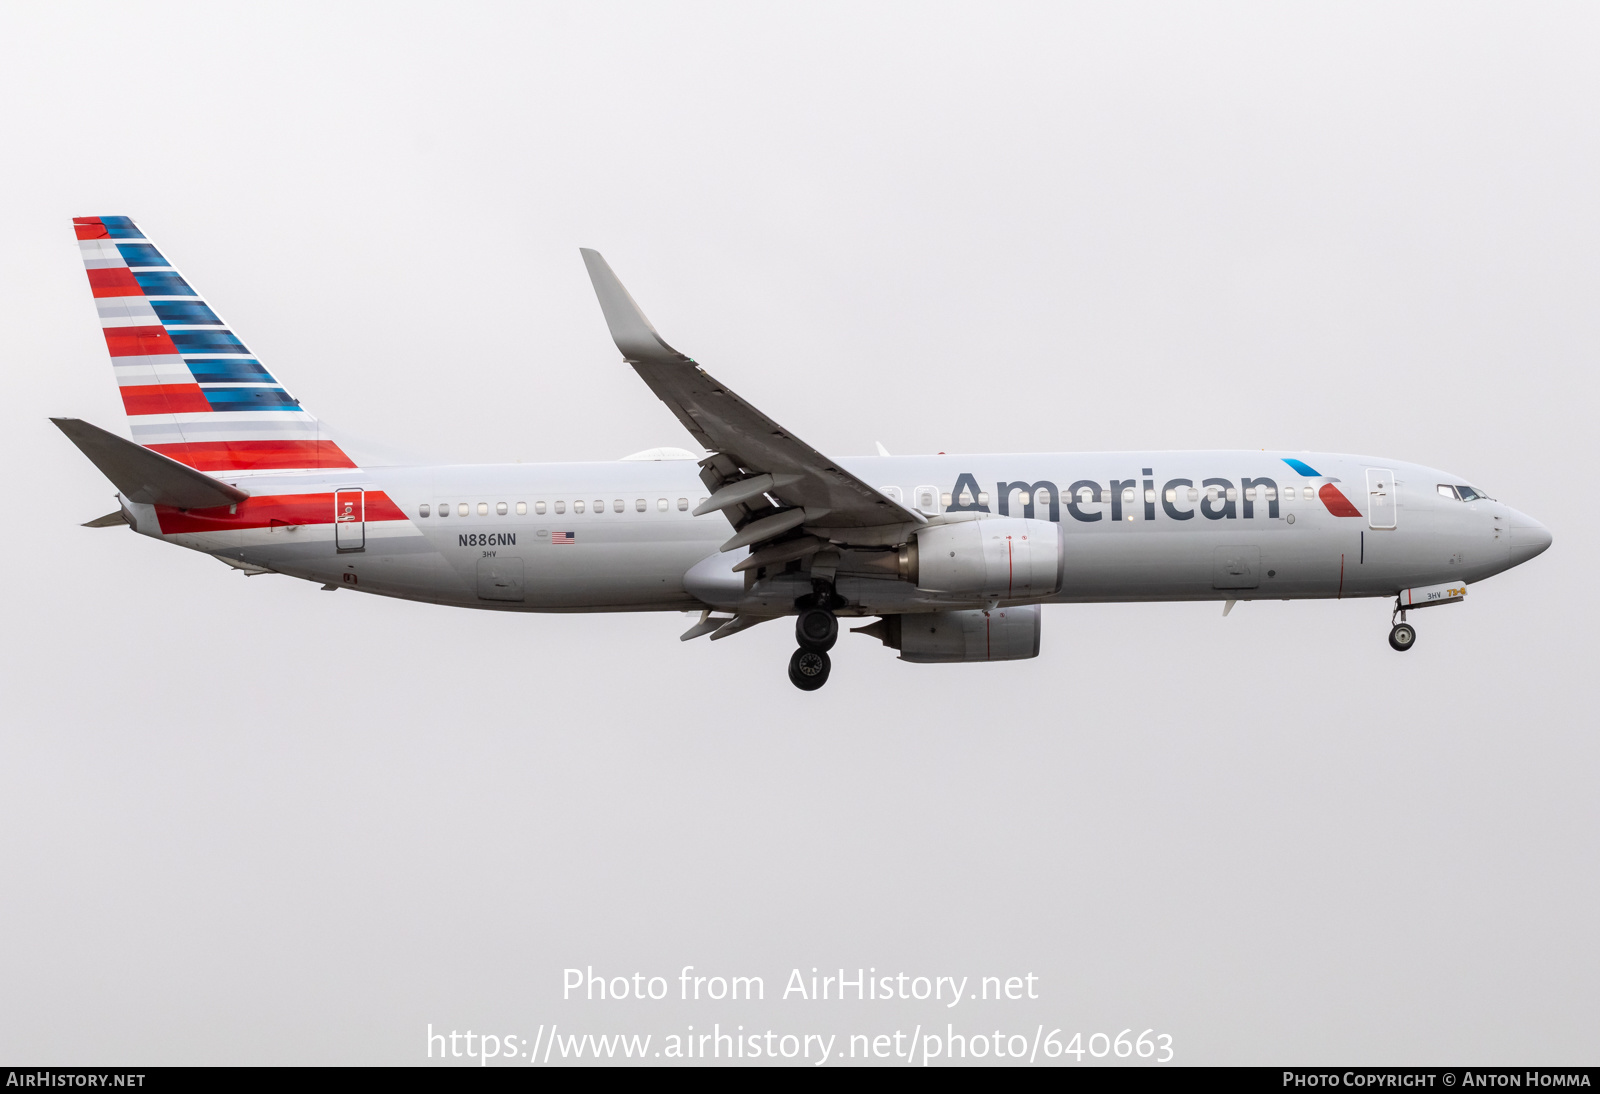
1382	511
350	519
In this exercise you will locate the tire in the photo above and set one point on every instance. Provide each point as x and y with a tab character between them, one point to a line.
808	669
1402	637
816	630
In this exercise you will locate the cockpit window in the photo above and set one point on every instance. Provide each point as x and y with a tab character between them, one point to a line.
1447	491
1467	493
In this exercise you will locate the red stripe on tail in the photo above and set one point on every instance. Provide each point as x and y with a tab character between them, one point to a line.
255	455
117	281
281	510
138	341
164	399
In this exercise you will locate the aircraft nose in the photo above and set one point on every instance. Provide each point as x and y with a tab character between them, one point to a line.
1528	538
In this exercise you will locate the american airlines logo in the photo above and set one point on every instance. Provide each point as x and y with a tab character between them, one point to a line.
1215	498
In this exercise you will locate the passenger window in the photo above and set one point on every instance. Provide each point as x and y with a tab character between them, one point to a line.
1249	493
1194	493
1271	494
522	508
462	508
927	499
599	505
618	506
500	508
483	508
1127	495
1310	494
944	500
444	509
538	507
1233	493
577	507
702	502
983	497
661	505
639	505
1172	495
890	492
561	506
683	505
422	510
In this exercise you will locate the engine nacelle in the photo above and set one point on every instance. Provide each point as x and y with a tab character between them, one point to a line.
1007	558
934	638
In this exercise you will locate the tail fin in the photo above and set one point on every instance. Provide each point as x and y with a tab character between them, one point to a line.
192	390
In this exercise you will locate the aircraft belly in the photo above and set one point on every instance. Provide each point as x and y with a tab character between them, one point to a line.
1233	561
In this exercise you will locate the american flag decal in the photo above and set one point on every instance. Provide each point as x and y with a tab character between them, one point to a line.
560	538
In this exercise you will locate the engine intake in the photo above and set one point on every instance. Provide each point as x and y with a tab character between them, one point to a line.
1008	558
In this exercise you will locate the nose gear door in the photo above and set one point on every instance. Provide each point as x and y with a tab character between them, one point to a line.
1382	512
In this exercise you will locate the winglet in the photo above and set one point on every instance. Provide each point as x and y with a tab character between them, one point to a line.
630	330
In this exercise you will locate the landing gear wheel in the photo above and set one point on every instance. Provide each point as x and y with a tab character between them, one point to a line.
808	669
816	630
1402	636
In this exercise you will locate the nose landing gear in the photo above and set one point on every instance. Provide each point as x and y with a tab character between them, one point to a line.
1402	635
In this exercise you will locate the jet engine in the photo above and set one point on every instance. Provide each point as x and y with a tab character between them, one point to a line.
933	638
1007	558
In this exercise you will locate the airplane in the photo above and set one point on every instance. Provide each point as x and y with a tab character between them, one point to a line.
951	556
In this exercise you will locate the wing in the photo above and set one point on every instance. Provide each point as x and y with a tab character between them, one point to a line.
754	459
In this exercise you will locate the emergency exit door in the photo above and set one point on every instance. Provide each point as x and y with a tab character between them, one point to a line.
350	520
1382	510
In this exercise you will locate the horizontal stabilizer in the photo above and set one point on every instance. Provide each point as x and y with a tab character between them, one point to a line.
110	520
144	476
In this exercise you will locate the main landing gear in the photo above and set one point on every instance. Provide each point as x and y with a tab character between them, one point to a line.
816	629
1402	635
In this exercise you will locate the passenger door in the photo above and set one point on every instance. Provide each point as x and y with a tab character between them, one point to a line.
350	519
1382	512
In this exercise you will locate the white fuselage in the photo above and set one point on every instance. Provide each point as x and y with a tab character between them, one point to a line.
619	536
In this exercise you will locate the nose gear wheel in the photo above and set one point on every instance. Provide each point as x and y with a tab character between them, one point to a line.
1402	636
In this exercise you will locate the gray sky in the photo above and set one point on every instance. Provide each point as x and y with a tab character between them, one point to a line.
244	821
